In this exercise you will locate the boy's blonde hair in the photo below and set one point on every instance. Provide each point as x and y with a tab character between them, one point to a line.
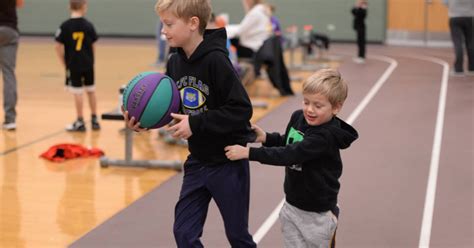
77	4
327	82
255	2
185	9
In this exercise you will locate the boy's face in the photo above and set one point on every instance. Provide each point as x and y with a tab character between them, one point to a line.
176	30
362	3
317	109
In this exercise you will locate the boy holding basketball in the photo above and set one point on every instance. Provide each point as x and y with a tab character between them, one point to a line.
217	112
75	48
309	150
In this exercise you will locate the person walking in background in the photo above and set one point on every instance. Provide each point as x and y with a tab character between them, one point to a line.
9	37
461	25
359	11
75	40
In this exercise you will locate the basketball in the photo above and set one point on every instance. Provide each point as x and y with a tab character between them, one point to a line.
151	97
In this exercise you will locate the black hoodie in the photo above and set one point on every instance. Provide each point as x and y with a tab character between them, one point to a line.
312	159
212	95
359	17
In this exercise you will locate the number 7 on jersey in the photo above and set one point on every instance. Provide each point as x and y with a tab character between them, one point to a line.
79	36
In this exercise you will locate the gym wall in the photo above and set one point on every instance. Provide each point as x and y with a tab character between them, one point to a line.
136	18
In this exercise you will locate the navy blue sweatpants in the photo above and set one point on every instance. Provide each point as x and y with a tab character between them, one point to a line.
229	185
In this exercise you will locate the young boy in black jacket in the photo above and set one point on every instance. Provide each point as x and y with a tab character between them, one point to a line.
310	151
217	112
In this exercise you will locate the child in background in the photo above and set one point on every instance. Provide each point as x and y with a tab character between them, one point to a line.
75	40
359	11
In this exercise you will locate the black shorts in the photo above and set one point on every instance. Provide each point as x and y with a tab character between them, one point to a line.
78	79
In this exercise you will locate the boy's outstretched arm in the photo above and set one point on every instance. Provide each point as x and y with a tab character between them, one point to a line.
236	152
275	138
311	147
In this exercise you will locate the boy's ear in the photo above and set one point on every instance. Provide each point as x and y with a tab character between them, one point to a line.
194	21
336	108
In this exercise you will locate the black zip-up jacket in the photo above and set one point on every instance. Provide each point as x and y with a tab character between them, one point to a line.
212	95
359	17
312	159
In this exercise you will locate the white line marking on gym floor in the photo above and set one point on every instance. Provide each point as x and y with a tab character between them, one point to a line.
270	221
425	234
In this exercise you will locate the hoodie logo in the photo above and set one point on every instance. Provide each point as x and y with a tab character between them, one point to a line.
294	136
192	98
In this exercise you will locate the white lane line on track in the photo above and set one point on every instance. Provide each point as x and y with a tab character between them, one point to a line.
373	91
270	221
427	221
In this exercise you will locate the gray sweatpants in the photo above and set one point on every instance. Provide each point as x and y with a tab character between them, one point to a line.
307	229
8	49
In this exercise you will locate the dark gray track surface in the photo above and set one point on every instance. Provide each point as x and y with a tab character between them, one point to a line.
385	171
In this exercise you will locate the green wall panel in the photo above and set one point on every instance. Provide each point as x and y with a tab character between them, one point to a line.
137	17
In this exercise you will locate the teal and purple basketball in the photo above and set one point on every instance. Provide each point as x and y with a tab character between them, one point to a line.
151	97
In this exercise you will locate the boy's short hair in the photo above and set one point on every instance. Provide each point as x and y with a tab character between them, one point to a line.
212	18
185	9
76	4
327	82
255	2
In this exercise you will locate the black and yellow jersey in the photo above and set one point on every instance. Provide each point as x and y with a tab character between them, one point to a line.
77	35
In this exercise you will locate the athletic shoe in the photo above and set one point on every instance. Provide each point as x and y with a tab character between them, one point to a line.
359	60
77	126
95	124
456	74
9	126
470	73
